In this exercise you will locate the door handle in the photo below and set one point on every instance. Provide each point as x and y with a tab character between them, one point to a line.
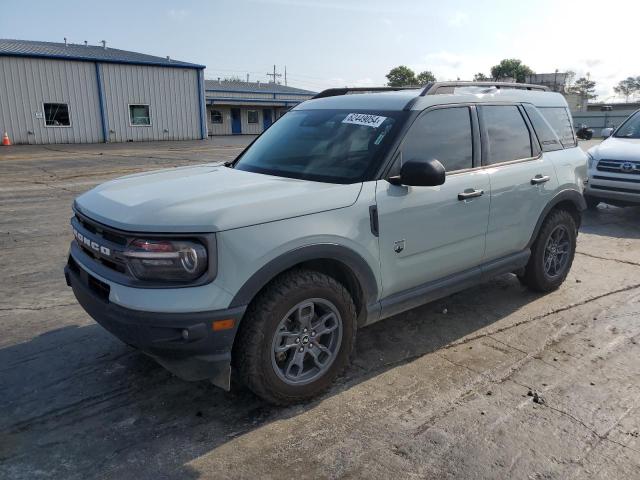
539	179
470	193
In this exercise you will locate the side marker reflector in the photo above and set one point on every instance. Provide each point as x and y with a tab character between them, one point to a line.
223	324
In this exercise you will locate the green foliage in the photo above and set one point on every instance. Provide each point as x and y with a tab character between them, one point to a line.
584	87
511	68
480	77
628	87
425	77
401	76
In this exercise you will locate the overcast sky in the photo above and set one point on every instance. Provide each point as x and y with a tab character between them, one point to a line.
350	42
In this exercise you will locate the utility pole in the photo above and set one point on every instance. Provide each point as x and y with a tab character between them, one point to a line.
274	75
285	75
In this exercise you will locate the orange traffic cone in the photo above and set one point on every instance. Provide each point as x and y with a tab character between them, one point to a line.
5	140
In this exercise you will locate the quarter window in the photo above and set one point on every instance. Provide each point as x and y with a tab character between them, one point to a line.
139	115
252	116
216	116
508	135
443	134
559	119
548	139
56	115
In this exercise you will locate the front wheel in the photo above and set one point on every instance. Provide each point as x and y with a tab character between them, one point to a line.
296	337
552	253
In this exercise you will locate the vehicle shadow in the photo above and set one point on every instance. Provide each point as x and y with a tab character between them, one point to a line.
77	403
610	221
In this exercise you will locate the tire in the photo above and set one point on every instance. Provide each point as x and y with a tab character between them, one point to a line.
275	321
536	276
592	202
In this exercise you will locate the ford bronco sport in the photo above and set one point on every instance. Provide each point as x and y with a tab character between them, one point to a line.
353	207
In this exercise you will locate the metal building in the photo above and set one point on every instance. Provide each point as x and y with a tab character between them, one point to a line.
248	107
69	93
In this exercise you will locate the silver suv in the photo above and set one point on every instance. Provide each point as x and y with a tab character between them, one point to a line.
614	166
353	207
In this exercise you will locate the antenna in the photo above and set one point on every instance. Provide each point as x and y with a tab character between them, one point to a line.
274	75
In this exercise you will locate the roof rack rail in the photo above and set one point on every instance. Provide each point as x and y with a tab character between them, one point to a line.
334	92
433	88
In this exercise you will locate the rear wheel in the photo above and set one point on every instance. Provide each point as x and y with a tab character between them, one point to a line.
296	337
552	253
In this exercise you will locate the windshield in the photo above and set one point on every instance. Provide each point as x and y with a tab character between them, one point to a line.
335	146
630	128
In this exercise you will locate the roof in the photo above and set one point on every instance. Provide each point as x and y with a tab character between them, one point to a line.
400	99
253	87
86	53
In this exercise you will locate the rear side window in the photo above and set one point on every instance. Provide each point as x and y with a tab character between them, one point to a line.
507	134
548	138
559	119
443	134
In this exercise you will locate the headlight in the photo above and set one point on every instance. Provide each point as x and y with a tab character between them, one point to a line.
592	161
166	260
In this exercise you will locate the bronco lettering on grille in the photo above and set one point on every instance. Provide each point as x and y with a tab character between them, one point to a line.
93	245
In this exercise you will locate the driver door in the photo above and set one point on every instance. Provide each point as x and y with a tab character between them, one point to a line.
427	233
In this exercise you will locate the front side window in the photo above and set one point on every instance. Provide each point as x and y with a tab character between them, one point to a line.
139	115
56	115
559	119
442	134
630	128
216	116
252	116
508	135
335	146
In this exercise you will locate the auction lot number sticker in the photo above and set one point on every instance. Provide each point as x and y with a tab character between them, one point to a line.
364	119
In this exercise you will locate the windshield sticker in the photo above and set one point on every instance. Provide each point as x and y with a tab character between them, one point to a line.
364	119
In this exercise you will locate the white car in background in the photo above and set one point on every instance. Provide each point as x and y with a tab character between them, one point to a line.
614	166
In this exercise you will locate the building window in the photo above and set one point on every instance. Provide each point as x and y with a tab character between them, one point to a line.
216	116
56	115
139	115
252	116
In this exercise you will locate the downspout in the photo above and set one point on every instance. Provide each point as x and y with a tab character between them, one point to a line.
101	102
203	108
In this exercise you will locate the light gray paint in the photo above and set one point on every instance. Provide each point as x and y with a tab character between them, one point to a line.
171	93
26	83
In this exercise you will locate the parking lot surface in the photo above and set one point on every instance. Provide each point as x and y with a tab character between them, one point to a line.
493	382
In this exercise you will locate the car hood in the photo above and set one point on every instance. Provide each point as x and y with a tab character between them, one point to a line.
617	149
207	198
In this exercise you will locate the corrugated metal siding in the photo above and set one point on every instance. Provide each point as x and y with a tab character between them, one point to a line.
223	128
171	93
27	83
251	128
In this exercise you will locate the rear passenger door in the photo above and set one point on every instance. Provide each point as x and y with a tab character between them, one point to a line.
522	179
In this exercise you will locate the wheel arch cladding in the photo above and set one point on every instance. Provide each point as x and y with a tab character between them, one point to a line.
342	263
570	200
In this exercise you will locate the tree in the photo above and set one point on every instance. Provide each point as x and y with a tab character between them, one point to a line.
628	87
425	77
583	87
401	77
480	77
511	68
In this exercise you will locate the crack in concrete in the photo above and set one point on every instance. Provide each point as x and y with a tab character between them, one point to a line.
626	262
34	309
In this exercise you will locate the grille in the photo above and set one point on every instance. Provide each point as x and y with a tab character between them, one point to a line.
615	166
103	236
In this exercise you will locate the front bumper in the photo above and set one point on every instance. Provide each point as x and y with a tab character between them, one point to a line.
183	343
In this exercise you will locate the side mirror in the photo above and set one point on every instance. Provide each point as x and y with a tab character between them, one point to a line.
606	132
420	173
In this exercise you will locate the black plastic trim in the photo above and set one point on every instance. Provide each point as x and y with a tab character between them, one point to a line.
373	220
436	289
566	195
318	251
